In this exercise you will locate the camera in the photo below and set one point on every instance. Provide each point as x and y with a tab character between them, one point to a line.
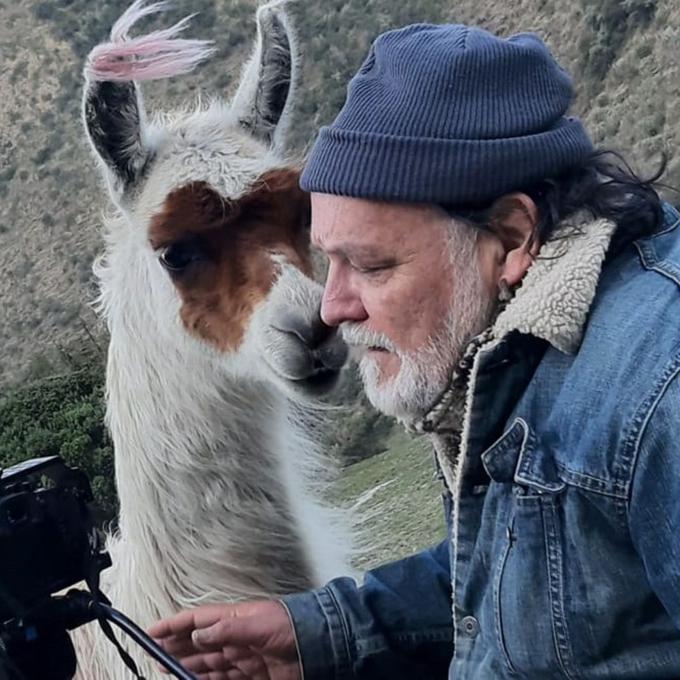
48	543
47	539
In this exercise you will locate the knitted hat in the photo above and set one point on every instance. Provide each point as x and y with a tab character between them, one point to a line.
449	114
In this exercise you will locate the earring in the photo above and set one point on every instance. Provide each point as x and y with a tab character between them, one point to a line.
504	292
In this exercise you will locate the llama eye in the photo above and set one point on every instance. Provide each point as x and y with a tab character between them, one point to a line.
178	256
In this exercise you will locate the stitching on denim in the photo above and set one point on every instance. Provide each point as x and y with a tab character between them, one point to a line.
669	270
527	465
650	261
526	473
295	639
670	375
507	439
589	483
639	423
645	246
343	668
621	509
376	644
497	581
550	488
555	580
440	634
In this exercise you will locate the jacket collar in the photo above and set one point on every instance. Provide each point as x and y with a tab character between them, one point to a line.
556	294
552	304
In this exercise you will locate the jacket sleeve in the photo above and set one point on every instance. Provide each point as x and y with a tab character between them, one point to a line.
654	511
396	625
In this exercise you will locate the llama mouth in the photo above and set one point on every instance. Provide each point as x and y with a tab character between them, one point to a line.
321	380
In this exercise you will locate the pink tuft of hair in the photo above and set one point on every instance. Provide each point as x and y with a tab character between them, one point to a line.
159	54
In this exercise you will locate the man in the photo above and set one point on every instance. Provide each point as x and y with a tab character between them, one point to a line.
516	295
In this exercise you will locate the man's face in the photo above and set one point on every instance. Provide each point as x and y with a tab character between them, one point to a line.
405	285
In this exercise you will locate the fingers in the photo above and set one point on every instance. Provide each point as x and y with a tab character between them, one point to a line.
205	663
217	660
233	674
230	661
178	645
226	632
252	640
232	629
186	621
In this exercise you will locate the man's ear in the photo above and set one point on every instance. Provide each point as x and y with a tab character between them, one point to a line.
513	220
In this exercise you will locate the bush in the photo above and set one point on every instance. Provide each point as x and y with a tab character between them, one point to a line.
8	173
42	156
359	433
355	430
608	25
44	11
62	415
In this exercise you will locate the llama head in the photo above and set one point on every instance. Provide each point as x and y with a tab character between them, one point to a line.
212	238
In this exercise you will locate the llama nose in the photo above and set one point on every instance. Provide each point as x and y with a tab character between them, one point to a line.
313	334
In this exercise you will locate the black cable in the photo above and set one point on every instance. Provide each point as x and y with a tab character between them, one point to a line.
143	640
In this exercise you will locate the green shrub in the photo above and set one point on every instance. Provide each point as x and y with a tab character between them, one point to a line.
42	156
355	430
44	10
62	415
608	25
8	173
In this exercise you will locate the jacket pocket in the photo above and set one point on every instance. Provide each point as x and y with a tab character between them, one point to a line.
527	557
498	605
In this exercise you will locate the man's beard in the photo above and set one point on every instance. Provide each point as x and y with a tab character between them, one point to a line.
425	373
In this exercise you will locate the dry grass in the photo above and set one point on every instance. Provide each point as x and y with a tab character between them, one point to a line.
50	198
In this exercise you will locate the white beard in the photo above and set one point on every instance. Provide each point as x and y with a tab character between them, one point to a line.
425	373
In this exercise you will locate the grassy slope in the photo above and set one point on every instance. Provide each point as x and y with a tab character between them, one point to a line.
628	83
622	54
405	514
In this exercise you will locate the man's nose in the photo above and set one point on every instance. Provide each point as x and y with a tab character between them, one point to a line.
340	303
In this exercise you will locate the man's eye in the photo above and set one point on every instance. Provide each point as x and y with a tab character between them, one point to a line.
374	269
178	256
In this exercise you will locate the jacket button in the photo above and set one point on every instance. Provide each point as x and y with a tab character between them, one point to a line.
470	626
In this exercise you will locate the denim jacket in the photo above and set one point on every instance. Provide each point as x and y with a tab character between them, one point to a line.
563	555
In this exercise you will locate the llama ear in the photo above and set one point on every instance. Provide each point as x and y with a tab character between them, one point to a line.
114	115
268	78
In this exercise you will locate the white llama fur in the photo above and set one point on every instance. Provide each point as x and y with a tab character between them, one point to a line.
214	460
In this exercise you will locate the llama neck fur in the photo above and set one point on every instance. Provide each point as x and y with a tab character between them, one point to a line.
212	472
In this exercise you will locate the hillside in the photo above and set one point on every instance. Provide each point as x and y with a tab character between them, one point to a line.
623	55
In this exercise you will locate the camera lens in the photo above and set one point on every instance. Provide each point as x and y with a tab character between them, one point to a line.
15	510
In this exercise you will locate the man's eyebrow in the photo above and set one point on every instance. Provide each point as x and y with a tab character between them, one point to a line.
353	250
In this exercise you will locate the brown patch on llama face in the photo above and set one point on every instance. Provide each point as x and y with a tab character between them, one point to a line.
219	252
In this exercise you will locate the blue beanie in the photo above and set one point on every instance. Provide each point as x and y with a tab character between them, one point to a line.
451	115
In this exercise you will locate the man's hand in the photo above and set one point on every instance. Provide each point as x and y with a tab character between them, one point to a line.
246	641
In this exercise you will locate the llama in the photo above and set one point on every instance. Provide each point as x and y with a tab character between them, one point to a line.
208	289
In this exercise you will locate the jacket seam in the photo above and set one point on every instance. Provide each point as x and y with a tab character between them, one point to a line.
665	267
555	568
497	582
345	631
590	483
406	639
669	270
634	430
295	639
669	376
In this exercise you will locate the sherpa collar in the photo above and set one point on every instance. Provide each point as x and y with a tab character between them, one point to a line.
556	294
552	302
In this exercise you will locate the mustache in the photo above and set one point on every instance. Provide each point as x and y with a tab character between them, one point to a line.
357	336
